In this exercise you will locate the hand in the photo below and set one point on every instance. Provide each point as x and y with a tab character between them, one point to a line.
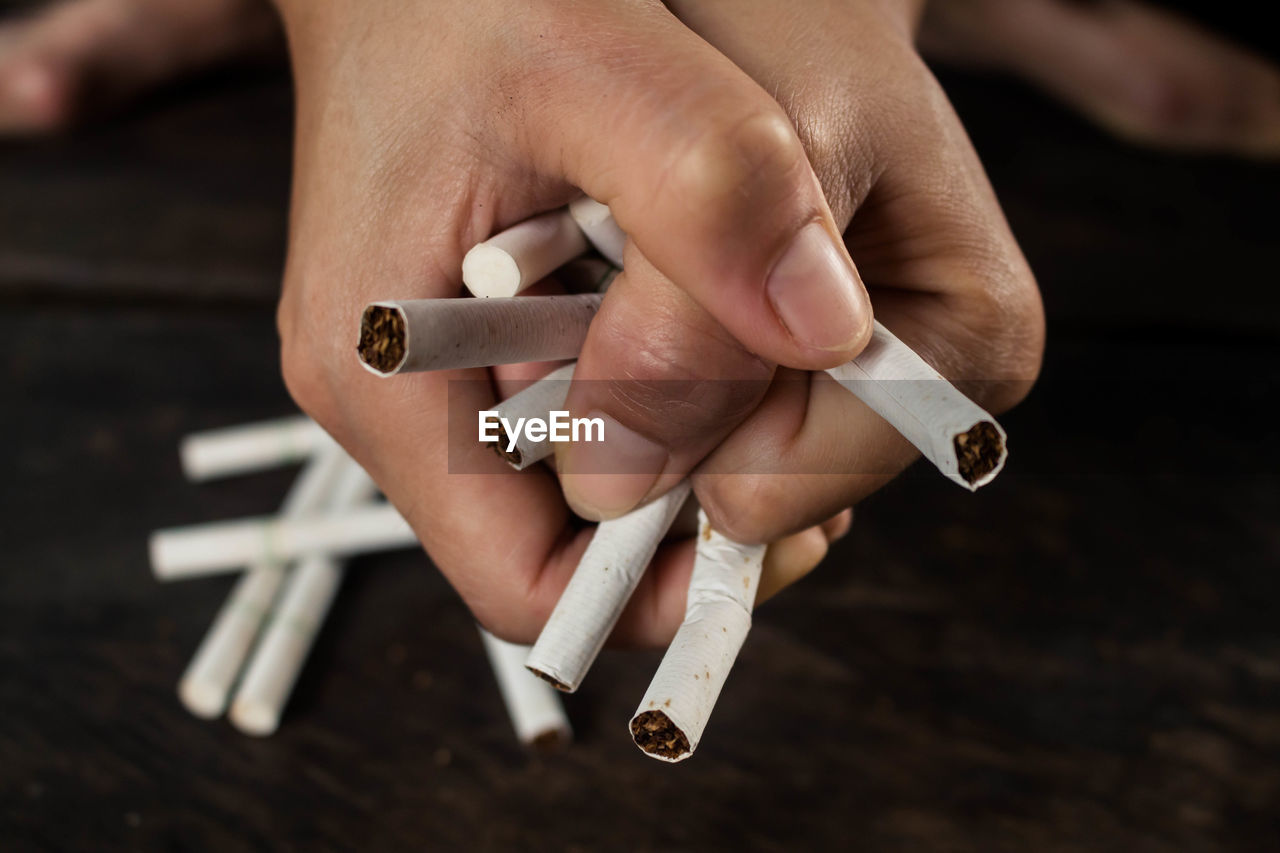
423	128
924	226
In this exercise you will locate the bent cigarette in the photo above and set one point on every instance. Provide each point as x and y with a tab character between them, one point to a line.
225	546
536	711
523	255
252	447
446	334
957	435
600	228
538	400
303	605
602	583
205	685
722	591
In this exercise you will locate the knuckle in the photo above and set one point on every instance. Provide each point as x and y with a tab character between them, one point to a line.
749	159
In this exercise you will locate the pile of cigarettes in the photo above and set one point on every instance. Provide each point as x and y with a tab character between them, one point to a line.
956	435
291	563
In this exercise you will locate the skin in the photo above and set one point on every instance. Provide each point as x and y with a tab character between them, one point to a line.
406	158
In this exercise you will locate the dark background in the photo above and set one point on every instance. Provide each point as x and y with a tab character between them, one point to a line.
1085	655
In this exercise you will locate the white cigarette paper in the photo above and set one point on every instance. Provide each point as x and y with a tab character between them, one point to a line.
207	682
225	546
602	583
303	605
523	255
252	447
957	435
538	400
722	591
534	706
598	224
448	334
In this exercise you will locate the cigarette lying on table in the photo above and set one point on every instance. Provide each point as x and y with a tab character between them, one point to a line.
534	706
523	255
206	684
538	400
722	591
607	574
303	605
598	224
225	546
957	435
252	447
447	334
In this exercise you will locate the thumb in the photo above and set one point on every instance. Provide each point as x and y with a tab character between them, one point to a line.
706	174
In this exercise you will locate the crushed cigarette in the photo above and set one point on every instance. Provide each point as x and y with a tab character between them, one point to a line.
602	583
523	255
602	232
536	712
722	589
957	435
446	334
536	401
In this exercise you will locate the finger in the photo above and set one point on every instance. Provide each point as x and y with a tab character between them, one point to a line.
788	560
668	381
705	173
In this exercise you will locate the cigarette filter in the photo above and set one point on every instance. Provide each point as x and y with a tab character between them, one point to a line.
523	255
538	400
598	224
303	605
206	684
606	576
533	705
722	590
957	435
225	546
252	447
447	334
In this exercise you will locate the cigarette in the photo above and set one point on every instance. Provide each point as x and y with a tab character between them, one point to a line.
447	334
225	546
957	435
606	576
523	255
722	590
597	223
533	705
303	605
206	684
252	447
538	400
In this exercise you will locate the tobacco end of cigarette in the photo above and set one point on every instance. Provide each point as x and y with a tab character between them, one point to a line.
513	457
382	338
979	451
552	740
656	734
551	679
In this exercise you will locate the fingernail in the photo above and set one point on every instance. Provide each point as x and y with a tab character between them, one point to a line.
604	479
816	292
